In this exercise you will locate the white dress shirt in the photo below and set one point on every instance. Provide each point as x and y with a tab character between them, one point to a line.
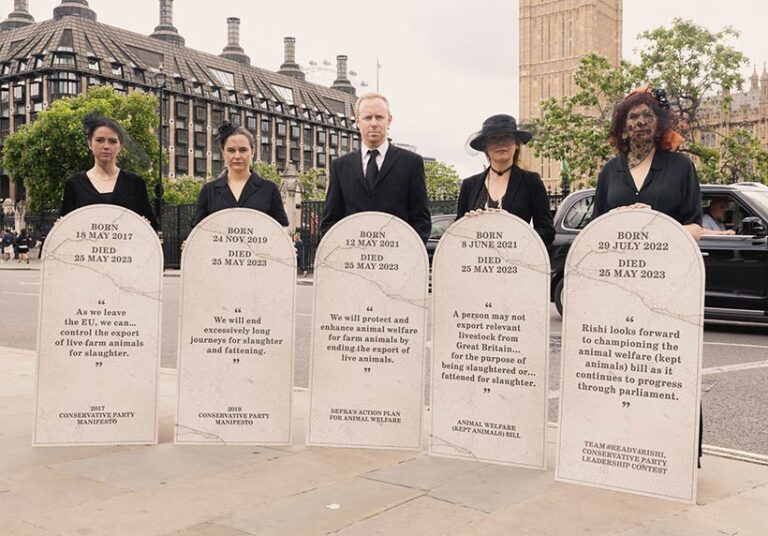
379	158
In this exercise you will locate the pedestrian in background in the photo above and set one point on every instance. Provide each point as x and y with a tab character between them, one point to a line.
23	241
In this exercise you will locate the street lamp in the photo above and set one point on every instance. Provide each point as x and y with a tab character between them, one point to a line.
160	83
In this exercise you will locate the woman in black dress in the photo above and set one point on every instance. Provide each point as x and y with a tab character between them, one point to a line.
105	182
239	186
648	172
504	185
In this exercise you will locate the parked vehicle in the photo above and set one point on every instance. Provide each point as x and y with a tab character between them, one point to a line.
440	224
736	265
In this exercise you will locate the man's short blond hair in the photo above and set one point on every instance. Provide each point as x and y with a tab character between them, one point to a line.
369	96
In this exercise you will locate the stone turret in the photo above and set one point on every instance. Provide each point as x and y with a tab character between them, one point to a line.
342	82
233	50
19	18
166	31
289	66
74	8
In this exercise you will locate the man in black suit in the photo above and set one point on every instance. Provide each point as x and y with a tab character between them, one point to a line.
380	176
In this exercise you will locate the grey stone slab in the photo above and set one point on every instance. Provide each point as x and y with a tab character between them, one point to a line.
20	528
423	516
19	404
720	478
678	525
426	472
28	492
495	488
210	529
174	507
744	513
145	468
322	510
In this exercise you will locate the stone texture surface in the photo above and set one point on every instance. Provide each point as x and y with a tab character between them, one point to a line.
236	325
99	330
490	291
632	346
367	379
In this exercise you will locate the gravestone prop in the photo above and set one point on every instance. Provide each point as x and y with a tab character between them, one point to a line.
631	365
236	331
367	379
490	289
99	330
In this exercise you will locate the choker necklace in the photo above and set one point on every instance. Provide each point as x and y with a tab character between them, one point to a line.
501	172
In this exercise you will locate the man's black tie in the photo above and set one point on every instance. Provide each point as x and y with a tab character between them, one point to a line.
372	170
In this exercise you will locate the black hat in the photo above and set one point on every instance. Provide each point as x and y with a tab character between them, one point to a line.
498	124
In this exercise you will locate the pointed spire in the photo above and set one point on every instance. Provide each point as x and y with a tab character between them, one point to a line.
289	66
166	31
754	79
233	51
74	8
19	18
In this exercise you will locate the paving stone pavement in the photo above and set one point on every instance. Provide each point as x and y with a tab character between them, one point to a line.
240	491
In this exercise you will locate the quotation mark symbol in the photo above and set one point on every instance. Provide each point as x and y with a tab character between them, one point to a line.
486	390
630	319
101	302
625	404
369	309
367	370
99	364
236	361
488	305
238	310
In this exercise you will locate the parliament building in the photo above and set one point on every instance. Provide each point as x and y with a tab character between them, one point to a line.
293	121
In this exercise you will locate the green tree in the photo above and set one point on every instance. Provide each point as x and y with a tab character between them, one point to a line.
443	182
741	158
182	190
574	130
44	153
690	62
267	171
312	187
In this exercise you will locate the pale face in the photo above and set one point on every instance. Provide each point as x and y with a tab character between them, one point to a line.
238	153
105	145
717	209
501	149
373	121
641	124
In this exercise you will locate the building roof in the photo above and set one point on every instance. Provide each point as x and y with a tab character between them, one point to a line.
141	56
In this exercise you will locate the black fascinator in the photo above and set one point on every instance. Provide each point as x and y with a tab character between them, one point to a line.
224	131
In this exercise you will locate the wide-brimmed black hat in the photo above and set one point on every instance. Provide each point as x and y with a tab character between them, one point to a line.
498	124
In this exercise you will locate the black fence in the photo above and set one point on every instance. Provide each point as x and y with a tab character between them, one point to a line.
176	220
37	225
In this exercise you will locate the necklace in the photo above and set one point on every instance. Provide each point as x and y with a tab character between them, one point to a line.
501	172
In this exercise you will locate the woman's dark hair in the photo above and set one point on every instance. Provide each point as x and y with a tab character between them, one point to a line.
227	129
95	120
619	120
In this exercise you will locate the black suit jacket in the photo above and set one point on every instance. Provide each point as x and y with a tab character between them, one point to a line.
400	190
258	194
525	197
130	192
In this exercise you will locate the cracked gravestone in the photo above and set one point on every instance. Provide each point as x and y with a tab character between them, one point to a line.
99	330
631	365
236	322
367	379
490	286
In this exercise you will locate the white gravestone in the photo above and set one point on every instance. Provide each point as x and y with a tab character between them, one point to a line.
367	379
631	365
236	322
490	289
99	330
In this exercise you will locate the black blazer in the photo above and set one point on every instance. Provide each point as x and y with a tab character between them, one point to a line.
400	190
258	194
130	192
525	197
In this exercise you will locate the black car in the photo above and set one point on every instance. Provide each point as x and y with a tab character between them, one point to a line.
440	224
736	265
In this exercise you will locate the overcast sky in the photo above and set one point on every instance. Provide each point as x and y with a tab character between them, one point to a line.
446	64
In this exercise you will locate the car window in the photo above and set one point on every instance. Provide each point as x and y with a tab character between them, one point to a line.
579	214
734	212
439	227
758	197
